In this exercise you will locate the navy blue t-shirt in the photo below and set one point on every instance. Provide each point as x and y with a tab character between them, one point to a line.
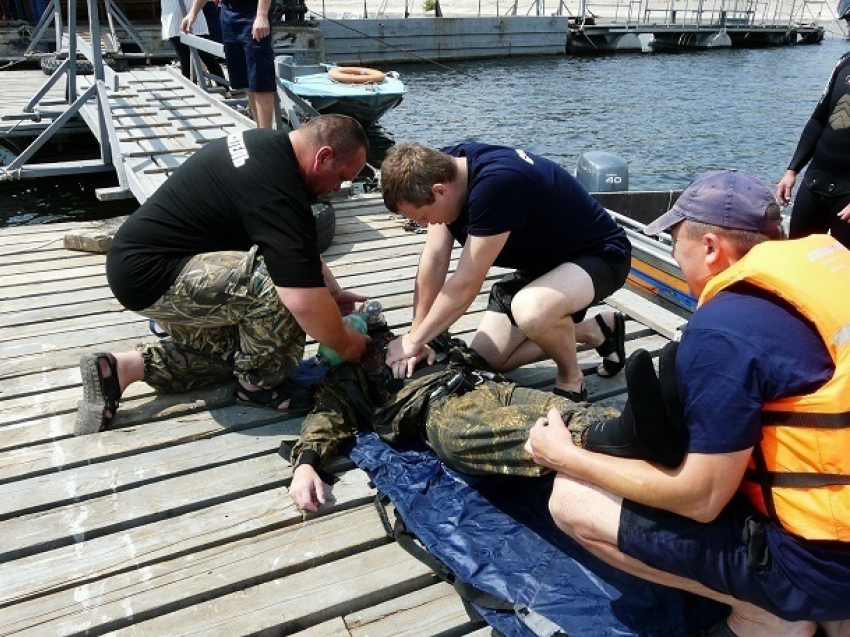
551	217
741	349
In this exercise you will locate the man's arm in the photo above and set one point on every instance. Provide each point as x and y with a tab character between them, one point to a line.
261	26
698	489
189	21
346	301
432	271
453	299
318	314
333	421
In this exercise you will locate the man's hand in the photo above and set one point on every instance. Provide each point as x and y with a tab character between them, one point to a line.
347	301
844	215
785	187
188	22
261	27
550	442
307	488
402	349
404	367
357	342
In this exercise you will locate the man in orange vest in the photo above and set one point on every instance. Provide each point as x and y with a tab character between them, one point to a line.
757	514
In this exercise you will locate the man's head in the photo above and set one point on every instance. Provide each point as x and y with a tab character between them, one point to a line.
330	149
719	217
422	184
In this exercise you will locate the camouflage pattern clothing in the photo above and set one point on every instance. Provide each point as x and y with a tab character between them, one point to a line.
477	430
223	318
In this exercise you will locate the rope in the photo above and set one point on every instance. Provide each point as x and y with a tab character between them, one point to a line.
385	43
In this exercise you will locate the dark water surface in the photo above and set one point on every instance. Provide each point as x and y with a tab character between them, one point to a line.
669	115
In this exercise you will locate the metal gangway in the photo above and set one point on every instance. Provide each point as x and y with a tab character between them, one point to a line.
147	121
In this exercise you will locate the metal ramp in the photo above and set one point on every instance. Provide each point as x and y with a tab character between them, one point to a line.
157	120
146	121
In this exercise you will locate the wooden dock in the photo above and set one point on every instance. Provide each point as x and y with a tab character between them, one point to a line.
177	521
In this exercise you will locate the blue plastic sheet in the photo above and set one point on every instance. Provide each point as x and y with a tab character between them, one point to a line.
496	534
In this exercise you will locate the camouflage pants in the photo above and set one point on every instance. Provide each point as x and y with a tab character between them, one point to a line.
223	318
484	431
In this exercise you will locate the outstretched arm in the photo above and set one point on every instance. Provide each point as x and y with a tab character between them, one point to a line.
455	297
698	489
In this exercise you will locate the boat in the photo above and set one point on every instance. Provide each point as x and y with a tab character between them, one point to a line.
364	94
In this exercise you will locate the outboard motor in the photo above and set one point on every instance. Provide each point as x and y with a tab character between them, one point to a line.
600	171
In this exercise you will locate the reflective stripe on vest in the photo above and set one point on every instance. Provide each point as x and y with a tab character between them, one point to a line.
800	472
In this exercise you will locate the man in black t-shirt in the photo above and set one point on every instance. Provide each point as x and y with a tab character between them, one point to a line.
224	258
512	209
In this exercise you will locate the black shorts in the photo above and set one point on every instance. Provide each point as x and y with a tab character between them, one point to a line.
729	555
607	277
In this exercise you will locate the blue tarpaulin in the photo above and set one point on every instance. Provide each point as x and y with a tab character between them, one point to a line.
496	534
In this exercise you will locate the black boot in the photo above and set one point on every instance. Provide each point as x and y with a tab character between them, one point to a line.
649	427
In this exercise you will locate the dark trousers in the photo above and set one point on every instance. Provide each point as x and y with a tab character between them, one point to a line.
183	54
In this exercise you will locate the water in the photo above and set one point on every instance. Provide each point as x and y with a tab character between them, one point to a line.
669	115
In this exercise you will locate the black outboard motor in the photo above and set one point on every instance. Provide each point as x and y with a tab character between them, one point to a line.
600	171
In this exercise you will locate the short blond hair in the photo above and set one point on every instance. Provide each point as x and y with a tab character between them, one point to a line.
409	172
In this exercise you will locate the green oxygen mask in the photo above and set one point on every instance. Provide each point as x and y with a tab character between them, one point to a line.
370	314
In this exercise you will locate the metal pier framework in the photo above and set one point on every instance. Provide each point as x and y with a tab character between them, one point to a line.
146	121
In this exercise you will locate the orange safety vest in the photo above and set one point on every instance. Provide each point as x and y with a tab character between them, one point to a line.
799	474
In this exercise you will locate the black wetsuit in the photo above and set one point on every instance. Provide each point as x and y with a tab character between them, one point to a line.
825	188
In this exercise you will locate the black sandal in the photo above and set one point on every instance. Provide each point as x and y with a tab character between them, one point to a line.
614	343
579	396
101	394
300	398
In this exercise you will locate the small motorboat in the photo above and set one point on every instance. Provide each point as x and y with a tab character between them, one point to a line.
364	94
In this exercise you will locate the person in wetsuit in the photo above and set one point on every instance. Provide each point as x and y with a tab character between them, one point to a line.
823	201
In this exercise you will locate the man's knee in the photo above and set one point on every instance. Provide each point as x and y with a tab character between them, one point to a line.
529	314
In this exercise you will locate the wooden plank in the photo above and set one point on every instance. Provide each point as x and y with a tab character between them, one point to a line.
303	599
435	610
189	557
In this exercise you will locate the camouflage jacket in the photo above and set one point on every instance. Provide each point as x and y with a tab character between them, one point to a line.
362	396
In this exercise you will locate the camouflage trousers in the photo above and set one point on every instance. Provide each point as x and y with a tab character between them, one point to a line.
484	431
223	318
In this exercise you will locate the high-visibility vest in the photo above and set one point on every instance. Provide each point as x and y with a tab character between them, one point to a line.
799	474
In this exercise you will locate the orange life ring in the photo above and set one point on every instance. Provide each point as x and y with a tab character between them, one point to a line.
355	75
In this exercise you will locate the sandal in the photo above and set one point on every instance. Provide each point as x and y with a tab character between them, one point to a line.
101	394
614	343
300	398
579	396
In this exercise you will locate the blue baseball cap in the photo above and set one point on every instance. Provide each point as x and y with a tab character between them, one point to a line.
728	199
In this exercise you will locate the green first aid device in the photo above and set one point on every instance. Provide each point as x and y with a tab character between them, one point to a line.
327	356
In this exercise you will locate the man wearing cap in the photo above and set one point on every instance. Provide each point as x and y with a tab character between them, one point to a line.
757	514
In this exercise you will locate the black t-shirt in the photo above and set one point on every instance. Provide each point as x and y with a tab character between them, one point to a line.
551	217
236	192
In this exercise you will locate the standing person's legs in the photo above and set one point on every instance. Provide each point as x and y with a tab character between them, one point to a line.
602	523
183	56
250	64
839	228
809	215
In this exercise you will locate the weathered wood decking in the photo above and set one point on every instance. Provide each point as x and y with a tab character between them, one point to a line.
177	521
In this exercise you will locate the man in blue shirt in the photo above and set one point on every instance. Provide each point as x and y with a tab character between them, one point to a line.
755	514
509	208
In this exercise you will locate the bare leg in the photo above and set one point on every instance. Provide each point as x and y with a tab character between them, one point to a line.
262	107
591	516
131	369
